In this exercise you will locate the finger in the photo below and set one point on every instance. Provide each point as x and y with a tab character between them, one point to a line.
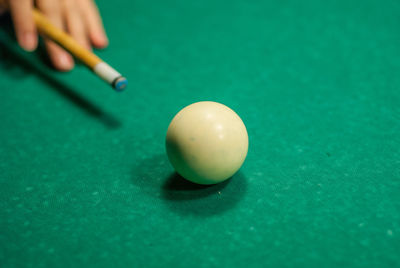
21	12
94	23
75	24
59	57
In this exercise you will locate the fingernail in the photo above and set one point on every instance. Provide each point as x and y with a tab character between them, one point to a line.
64	62
102	40
105	40
29	41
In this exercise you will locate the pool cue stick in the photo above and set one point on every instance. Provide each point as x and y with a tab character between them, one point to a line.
99	67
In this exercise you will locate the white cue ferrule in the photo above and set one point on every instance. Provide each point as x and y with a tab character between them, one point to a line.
106	72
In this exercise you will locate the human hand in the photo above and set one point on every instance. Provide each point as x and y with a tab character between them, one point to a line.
80	18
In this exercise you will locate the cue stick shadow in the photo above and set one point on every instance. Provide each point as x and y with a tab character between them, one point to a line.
155	177
15	64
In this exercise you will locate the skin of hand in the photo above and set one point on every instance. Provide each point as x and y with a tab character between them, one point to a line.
79	18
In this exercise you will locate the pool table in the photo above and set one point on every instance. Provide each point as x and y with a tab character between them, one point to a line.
84	176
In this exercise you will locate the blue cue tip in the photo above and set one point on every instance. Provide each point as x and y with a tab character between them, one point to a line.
120	83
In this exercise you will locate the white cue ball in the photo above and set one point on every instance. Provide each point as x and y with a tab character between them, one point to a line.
207	142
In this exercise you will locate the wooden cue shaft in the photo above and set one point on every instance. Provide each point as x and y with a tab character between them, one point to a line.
46	28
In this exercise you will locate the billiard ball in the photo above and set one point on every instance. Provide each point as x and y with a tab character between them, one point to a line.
206	142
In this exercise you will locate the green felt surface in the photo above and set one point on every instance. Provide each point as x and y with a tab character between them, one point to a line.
84	178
